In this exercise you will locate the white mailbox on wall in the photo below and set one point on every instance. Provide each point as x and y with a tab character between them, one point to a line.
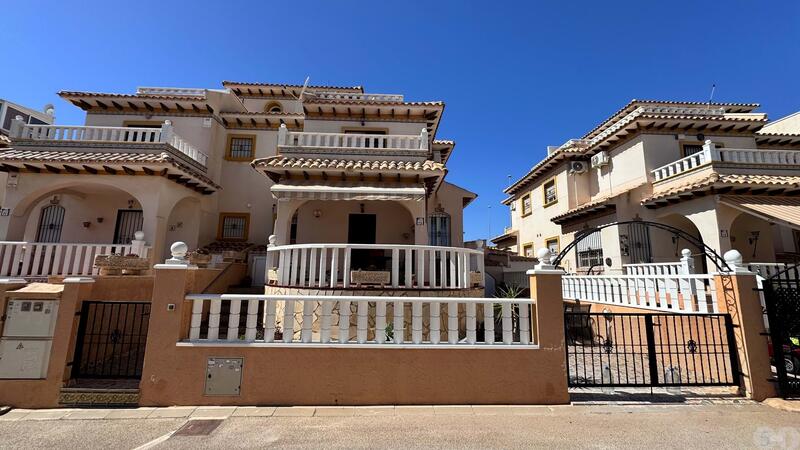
27	337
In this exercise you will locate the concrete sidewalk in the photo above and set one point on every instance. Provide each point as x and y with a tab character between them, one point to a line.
749	425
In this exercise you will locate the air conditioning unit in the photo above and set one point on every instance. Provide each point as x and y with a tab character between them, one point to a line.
577	166
600	159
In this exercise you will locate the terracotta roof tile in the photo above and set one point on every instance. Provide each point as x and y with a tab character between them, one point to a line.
343	88
582	208
281	162
50	156
66	94
716	179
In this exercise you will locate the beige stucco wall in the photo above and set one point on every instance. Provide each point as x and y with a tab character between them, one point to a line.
394	224
451	198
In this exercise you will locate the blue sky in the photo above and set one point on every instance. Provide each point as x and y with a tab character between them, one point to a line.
515	76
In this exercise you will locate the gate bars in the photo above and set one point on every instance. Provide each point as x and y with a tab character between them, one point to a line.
627	349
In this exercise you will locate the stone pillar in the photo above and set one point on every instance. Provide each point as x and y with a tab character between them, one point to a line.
169	318
547	318
737	296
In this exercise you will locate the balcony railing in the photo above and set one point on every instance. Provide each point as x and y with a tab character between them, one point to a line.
62	133
40	259
375	321
348	266
711	153
290	141
357	97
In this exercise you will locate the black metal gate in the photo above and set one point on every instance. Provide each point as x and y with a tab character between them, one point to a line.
50	224
620	349
782	301
129	221
111	340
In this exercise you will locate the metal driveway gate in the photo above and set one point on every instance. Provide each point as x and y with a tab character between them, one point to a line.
782	301
621	349
111	340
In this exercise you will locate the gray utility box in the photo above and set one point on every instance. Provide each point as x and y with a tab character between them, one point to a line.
224	376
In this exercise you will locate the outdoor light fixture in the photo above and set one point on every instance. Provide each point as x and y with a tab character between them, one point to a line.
317	213
87	224
99	220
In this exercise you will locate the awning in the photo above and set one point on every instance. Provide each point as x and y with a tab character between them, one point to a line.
348	191
780	210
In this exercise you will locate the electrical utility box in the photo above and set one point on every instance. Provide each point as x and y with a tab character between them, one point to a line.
27	338
224	376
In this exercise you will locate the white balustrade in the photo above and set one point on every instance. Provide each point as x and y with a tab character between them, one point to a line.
682	293
39	259
328	320
291	141
672	268
63	133
170	91
711	153
408	266
357	96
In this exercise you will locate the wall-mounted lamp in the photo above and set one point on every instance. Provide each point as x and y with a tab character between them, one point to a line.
131	203
87	224
317	213
100	220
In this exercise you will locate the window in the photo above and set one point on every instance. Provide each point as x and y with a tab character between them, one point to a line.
527	250
233	226
526	205
240	147
590	251
550	192
691	148
552	245
439	229
273	107
50	223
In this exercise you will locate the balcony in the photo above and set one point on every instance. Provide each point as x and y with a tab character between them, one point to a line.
338	145
711	154
374	266
163	138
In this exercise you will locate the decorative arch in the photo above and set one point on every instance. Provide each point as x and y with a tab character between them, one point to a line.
709	252
273	107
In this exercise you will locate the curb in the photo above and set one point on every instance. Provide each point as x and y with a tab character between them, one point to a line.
782	404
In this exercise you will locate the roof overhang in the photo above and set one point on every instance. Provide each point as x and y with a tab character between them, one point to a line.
104	161
261	120
427	114
777	209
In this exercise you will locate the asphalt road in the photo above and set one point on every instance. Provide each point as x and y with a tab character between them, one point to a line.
583	426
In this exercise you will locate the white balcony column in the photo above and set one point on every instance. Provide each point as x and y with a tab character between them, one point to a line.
283	219
687	262
710	151
138	243
167	131
283	134
17	124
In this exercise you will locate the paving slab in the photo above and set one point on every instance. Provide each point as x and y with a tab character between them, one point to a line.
335	411
294	411
87	414
48	414
131	413
213	412
362	411
172	412
15	414
460	410
254	411
491	410
413	410
779	403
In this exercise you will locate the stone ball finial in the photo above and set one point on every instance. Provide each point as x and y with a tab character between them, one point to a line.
18	117
272	239
543	254
733	258
139	235
179	250
283	125
167	122
686	253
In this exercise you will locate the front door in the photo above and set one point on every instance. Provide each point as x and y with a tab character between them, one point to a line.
361	230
